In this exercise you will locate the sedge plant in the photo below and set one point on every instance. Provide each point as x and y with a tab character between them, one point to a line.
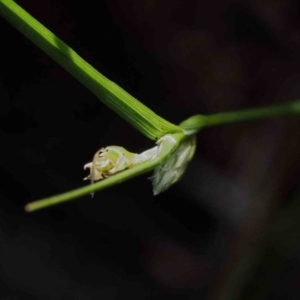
174	145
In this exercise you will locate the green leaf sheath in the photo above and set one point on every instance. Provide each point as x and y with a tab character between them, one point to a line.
129	108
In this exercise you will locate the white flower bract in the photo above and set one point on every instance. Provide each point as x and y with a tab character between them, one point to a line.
171	170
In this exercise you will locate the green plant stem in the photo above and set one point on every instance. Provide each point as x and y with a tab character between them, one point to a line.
197	122
133	111
101	185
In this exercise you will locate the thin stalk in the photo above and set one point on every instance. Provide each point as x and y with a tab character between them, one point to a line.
197	122
101	185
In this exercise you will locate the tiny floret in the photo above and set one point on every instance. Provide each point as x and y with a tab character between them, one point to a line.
108	161
169	159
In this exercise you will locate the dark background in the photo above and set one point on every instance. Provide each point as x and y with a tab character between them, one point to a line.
229	229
